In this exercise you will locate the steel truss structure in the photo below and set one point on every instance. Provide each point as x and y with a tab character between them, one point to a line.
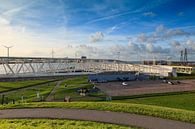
34	66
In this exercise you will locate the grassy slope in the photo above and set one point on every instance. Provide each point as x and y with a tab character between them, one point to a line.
185	100
56	124
163	112
6	86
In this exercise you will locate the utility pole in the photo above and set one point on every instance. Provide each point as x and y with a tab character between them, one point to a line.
185	56
8	47
181	57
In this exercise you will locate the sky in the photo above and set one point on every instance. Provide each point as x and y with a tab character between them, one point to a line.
111	29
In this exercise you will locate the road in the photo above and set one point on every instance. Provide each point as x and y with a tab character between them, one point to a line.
98	116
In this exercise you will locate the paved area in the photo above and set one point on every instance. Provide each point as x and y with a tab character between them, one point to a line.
144	87
51	95
99	116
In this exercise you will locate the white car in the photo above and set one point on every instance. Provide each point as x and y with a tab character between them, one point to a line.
124	84
171	83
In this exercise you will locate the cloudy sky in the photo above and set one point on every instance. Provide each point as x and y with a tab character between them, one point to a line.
128	29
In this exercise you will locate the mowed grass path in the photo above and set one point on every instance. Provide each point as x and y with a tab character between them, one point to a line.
180	100
7	86
56	124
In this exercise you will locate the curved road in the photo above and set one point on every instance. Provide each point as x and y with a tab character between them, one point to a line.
99	116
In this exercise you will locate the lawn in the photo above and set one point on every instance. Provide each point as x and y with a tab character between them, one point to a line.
30	94
8	86
183	100
72	85
150	110
56	124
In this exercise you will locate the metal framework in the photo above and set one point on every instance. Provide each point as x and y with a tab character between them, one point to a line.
34	66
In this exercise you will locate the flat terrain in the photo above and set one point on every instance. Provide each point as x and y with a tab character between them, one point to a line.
144	87
99	116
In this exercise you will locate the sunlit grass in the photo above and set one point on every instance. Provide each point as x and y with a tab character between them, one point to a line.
56	124
7	86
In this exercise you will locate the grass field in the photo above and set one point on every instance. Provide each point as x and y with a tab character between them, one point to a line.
7	86
72	85
157	111
183	100
30	94
56	124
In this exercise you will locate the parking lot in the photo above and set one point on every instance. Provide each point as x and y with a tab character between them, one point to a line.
145	87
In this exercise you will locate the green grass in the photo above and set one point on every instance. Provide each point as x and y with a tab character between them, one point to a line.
7	86
73	84
157	111
182	100
30	94
56	124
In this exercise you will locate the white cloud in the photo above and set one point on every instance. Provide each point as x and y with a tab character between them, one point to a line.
97	37
149	14
190	44
112	29
160	28
175	44
142	38
162	33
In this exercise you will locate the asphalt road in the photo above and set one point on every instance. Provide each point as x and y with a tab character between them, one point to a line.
98	116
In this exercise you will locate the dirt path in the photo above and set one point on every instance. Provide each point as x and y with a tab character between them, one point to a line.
51	95
99	116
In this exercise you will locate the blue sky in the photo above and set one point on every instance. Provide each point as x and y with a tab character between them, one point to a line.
138	29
